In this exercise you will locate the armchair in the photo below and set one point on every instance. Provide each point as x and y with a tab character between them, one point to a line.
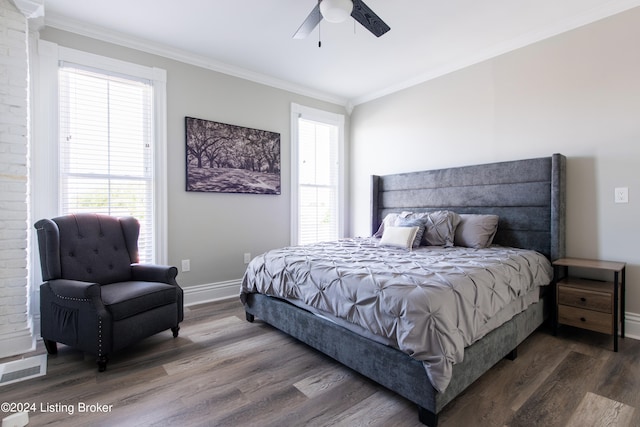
95	296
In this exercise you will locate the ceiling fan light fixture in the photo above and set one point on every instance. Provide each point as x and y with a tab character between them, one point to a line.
336	11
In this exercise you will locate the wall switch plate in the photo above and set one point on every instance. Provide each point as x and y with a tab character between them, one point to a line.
621	195
247	257
186	265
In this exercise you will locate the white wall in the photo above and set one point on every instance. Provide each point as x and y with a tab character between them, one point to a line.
577	94
214	230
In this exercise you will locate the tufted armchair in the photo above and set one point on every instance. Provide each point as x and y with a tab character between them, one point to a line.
96	297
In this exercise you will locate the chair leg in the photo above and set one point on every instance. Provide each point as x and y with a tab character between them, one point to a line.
102	363
175	331
51	346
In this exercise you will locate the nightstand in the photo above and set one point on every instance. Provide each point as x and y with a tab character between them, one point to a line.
590	304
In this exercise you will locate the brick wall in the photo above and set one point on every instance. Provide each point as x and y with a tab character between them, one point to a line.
15	324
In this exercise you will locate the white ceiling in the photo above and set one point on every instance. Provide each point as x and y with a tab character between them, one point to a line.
253	38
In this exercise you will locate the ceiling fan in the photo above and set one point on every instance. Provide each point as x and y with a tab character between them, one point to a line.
338	11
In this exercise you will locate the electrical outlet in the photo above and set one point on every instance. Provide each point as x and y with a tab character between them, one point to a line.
186	265
247	257
621	195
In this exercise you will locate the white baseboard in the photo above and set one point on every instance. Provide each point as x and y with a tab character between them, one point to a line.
196	294
209	292
632	325
16	342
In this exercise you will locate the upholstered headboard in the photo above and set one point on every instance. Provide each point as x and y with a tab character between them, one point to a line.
527	195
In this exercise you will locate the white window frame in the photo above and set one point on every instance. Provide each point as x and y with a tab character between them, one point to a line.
44	152
314	114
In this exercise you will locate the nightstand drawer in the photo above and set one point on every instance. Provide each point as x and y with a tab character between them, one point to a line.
582	298
586	319
591	304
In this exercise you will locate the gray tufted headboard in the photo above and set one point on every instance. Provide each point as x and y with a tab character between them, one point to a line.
527	195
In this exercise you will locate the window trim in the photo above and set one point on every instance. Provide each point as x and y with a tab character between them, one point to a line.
327	117
44	171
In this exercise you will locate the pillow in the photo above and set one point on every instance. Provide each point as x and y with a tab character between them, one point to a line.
476	231
413	222
401	237
440	228
390	220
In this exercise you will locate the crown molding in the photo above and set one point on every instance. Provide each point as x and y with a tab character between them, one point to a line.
596	14
603	11
30	8
102	34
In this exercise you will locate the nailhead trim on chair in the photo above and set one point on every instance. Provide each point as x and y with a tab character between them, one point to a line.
99	319
99	336
72	299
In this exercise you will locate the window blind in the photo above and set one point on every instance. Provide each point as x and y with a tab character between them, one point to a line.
318	180
106	147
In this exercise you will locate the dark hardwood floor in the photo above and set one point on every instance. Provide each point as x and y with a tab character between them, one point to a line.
224	371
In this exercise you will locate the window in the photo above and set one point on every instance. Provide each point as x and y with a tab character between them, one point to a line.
105	147
317	175
109	138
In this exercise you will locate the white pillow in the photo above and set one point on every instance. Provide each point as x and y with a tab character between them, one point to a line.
390	220
401	237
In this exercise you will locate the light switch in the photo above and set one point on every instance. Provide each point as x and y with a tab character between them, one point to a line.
621	195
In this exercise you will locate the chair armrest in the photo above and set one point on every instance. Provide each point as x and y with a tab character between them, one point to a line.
75	289
154	273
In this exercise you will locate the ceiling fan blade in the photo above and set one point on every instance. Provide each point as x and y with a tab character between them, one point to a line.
309	24
365	16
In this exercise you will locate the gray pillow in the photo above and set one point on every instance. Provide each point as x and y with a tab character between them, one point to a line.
440	228
476	231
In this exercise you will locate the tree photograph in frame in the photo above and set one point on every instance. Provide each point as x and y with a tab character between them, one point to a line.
226	158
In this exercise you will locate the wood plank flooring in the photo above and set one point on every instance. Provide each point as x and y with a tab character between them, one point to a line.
224	371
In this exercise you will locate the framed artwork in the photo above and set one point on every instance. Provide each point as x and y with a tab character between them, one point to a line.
226	158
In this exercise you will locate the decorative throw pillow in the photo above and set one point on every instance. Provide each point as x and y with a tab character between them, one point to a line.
390	221
440	228
476	231
401	237
413	222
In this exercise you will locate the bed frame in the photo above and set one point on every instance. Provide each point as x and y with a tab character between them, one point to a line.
529	197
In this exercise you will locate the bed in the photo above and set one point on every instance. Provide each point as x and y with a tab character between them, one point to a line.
528	197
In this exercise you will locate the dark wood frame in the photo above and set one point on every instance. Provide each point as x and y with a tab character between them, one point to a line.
529	197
